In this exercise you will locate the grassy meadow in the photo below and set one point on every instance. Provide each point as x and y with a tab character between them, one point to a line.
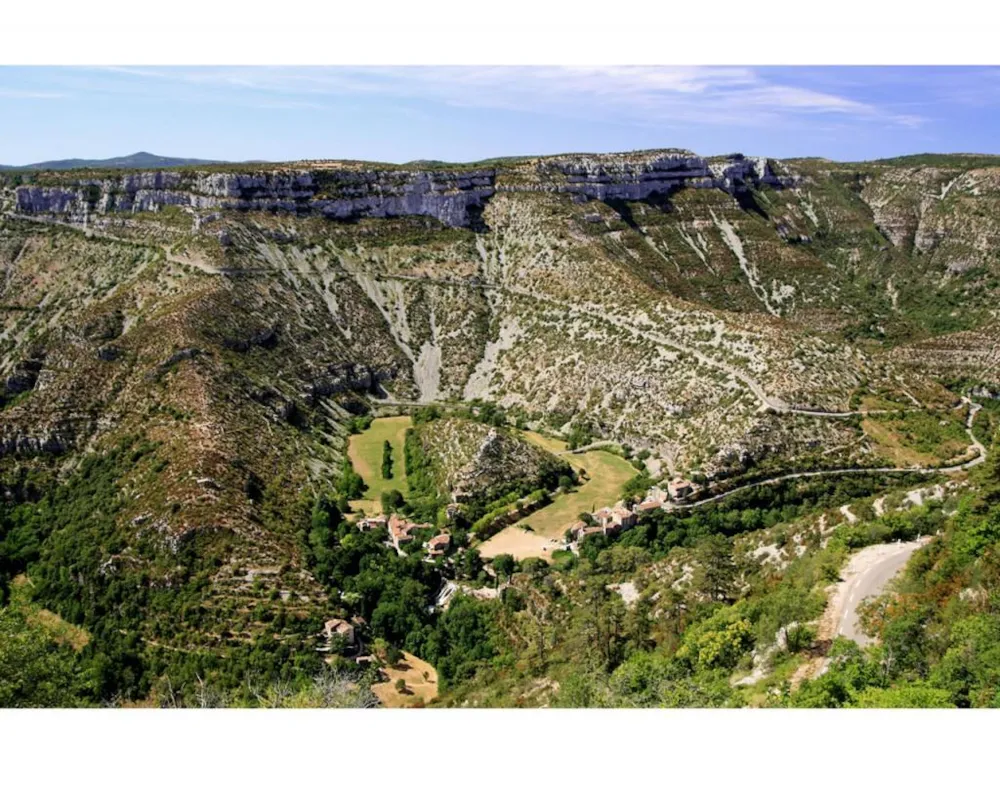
365	452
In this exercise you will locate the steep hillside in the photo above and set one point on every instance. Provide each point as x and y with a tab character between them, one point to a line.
471	460
183	353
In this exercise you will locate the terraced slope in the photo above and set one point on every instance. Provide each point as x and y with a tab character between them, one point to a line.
725	314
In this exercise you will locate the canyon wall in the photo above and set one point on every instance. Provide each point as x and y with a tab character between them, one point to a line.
453	196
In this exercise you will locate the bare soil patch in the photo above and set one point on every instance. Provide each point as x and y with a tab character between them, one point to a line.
421	683
520	543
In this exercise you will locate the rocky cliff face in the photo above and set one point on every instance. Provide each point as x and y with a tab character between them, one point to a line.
454	197
639	176
341	194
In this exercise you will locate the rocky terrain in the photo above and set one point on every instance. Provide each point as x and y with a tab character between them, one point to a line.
726	314
350	191
471	460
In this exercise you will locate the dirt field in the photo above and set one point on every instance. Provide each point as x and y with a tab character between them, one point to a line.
365	452
420	690
520	544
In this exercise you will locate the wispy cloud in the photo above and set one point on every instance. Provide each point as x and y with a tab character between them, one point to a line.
27	94
666	96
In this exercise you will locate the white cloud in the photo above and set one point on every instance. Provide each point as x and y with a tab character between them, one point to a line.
662	96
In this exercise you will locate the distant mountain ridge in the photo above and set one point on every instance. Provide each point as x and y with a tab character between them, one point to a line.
140	160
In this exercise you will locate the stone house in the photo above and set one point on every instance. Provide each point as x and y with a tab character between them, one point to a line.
438	545
370	523
680	489
342	628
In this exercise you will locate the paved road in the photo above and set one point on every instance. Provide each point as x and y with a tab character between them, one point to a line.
866	575
976	445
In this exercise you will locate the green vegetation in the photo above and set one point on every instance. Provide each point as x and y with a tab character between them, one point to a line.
938	637
386	461
607	475
918	437
74	531
377	456
36	671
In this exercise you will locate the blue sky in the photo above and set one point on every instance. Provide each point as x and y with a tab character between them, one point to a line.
468	113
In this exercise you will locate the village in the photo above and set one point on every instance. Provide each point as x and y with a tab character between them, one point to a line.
551	529
621	517
607	520
405	679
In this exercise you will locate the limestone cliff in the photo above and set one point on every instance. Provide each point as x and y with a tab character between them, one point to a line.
455	197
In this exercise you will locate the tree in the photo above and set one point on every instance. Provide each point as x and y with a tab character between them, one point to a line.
351	485
716	572
469	565
913	696
463	639
34	670
386	460
392	500
504	564
401	686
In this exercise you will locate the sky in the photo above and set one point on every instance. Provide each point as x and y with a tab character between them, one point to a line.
458	114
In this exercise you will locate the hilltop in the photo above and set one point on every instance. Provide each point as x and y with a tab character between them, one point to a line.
469	459
140	160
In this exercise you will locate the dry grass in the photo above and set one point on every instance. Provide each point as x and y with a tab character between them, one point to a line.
366	508
607	474
420	690
557	446
59	629
918	440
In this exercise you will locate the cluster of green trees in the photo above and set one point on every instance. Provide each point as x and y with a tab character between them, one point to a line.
424	500
358	424
107	580
386	460
748	510
37	671
397	595
351	486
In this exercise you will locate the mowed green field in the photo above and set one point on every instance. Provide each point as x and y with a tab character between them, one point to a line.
608	474
365	452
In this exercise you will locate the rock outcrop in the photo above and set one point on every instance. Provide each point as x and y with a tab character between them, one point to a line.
637	176
347	377
454	197
450	197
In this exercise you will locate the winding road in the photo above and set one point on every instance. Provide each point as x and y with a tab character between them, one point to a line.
767	402
976	445
866	575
